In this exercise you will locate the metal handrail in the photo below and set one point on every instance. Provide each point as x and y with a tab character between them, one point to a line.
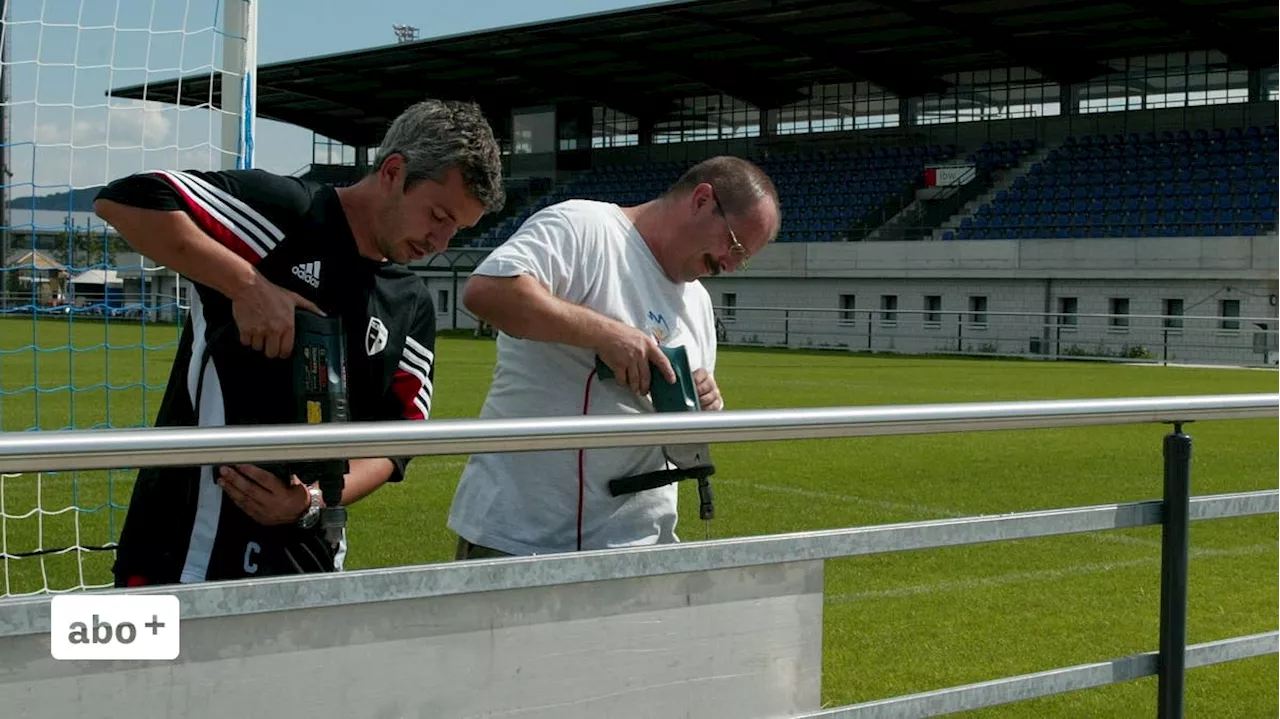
1044	314
169	446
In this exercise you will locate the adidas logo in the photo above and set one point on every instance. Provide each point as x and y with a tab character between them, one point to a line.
308	272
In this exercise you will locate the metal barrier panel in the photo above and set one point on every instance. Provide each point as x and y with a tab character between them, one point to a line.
722	628
735	643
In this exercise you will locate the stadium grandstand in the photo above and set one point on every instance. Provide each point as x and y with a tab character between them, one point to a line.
1056	178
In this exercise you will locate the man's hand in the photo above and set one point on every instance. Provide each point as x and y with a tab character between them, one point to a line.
708	391
263	496
263	312
628	351
522	307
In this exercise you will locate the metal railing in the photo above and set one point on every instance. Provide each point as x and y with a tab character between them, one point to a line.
168	446
982	332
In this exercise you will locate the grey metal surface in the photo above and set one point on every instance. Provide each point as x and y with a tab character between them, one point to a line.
109	449
30	615
732	644
1041	684
1230	650
1235	504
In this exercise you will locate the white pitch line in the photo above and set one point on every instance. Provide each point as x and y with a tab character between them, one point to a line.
936	512
923	511
1038	575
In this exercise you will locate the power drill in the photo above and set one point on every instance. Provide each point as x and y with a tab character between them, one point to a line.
320	396
692	461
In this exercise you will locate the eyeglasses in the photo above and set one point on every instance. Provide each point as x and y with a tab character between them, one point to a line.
735	248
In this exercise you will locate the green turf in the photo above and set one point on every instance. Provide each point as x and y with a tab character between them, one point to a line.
895	623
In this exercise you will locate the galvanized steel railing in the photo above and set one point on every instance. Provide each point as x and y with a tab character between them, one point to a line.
26	452
112	448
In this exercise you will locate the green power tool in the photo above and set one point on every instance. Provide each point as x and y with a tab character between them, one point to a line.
691	461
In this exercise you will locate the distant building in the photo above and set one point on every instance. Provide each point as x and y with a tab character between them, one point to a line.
33	277
149	290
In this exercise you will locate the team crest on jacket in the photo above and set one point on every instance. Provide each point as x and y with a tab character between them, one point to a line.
375	337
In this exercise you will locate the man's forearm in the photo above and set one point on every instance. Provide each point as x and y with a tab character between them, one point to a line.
521	307
172	239
364	477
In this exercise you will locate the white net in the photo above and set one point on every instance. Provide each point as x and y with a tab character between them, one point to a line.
87	327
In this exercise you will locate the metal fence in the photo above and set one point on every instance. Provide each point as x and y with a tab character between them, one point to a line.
28	621
979	332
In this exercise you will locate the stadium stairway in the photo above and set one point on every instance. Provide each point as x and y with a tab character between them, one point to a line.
825	193
932	205
1004	171
844	194
1220	182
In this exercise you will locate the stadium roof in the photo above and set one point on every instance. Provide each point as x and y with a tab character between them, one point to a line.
765	52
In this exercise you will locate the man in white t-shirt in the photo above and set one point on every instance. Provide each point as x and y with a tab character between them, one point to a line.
583	279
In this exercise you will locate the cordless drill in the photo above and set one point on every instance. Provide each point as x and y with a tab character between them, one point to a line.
320	396
692	461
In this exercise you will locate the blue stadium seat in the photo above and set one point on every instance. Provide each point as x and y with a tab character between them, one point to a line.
823	192
1179	183
1170	183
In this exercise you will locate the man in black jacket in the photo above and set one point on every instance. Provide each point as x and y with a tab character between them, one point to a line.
256	247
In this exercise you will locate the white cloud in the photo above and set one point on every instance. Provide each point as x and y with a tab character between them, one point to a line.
137	124
56	147
63	129
125	124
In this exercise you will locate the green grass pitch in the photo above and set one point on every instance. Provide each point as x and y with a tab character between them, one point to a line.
895	623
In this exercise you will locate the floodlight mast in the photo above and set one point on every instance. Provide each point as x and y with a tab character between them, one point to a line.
405	33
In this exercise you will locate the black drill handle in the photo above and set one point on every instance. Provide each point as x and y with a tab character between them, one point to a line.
706	499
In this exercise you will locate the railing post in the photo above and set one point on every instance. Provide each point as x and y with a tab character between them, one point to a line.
1173	574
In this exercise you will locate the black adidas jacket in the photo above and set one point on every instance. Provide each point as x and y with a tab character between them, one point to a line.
180	525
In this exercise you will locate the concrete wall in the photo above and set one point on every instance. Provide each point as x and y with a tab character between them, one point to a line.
1015	277
792	296
722	644
1019	317
1226	258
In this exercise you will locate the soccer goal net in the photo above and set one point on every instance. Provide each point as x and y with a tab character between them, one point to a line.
93	90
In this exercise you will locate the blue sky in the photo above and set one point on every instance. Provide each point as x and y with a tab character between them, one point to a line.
64	54
287	31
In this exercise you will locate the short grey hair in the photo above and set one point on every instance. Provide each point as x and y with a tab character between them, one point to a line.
435	135
738	183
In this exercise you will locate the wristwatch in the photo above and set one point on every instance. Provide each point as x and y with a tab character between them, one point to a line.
308	518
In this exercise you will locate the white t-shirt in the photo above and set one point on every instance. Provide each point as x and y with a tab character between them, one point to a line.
588	253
